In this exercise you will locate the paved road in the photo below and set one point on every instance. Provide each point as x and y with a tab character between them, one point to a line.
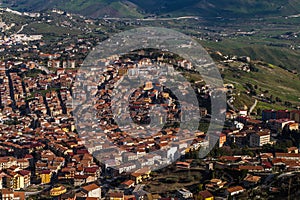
253	106
153	19
21	29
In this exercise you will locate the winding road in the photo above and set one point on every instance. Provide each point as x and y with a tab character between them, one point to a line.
253	106
22	28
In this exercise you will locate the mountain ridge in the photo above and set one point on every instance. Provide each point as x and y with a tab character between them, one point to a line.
137	8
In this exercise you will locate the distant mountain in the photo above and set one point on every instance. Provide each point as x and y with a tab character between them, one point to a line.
92	8
221	8
139	8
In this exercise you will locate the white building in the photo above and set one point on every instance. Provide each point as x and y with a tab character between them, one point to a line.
92	190
184	193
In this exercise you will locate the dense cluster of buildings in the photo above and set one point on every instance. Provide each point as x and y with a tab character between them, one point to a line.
130	148
41	152
39	143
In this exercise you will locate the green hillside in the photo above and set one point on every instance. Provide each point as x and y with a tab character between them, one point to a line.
245	8
134	8
92	8
285	57
273	86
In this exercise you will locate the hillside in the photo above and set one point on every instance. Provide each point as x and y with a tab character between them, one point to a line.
135	8
272	86
271	80
243	8
280	56
91	8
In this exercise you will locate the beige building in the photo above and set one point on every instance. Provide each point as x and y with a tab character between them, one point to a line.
259	139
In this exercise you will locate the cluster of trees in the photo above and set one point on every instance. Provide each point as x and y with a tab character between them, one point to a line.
292	136
253	68
251	89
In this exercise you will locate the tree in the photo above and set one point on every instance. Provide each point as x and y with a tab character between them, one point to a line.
244	173
287	103
271	98
200	187
214	174
278	99
259	111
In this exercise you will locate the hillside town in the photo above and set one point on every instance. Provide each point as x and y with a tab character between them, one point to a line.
43	154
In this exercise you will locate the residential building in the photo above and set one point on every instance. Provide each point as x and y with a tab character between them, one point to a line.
278	124
46	176
141	174
272	114
215	184
205	195
288	156
184	194
115	195
259	139
9	194
92	190
217	139
292	126
232	191
293	150
251	180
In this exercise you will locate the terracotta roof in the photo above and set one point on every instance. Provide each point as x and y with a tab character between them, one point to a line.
267	164
249	167
251	178
292	149
235	189
141	171
287	155
117	194
129	197
20	195
81	176
205	194
6	191
263	133
46	172
128	182
91	169
24	172
90	187
229	158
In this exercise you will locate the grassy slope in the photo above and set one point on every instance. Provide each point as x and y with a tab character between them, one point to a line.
225	8
244	8
279	83
276	55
